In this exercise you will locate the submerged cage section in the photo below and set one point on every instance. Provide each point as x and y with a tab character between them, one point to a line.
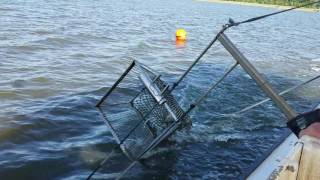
140	110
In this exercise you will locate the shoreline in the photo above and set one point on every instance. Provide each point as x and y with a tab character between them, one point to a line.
259	5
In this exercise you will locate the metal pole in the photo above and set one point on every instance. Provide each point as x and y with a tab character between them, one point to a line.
260	80
116	83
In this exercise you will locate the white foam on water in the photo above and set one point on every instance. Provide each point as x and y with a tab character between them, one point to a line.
316	60
91	155
228	137
316	68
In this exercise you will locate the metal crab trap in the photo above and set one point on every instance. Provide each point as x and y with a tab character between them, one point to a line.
141	111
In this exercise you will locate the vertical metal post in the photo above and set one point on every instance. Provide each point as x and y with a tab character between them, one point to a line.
260	80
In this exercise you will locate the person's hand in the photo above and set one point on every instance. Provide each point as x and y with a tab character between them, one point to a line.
313	130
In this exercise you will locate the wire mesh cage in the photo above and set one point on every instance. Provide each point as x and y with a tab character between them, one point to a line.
141	111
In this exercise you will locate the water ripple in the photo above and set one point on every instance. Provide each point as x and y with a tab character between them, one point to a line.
59	57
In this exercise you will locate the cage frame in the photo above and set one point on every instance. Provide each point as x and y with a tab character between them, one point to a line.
158	95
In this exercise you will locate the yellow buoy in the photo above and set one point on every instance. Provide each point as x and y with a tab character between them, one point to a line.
181	35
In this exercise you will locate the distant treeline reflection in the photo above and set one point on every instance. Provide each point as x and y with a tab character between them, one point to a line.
282	2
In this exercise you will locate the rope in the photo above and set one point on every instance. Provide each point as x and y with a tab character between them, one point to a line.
275	13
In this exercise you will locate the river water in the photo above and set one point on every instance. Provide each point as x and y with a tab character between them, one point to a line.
57	58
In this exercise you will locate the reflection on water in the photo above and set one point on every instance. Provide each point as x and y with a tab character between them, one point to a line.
58	57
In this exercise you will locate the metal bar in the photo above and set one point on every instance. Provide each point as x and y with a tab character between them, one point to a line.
126	170
131	102
154	143
281	93
156	92
213	86
112	130
143	117
165	89
149	84
198	58
142	120
156	78
261	81
102	162
166	133
116	83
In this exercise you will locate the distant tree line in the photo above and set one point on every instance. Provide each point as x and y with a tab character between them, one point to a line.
282	2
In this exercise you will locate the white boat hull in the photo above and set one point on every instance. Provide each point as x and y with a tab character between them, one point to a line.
273	163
